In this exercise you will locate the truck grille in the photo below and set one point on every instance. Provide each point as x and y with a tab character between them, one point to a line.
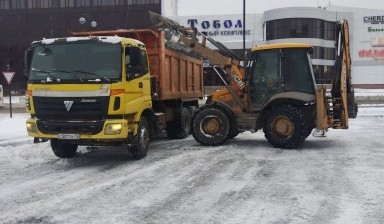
74	108
90	127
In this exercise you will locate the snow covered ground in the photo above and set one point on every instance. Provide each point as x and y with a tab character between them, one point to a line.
337	179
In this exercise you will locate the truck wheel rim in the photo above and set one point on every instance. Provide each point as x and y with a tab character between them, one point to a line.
211	125
283	126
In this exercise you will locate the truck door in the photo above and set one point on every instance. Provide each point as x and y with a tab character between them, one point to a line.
138	79
264	80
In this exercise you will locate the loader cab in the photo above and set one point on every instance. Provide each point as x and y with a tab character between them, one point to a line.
279	71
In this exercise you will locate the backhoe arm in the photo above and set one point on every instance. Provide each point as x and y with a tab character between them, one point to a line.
187	36
343	105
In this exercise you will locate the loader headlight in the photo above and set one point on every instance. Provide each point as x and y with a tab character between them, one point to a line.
31	127
112	129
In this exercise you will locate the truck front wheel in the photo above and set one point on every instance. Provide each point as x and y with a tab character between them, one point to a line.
286	127
139	147
63	149
210	126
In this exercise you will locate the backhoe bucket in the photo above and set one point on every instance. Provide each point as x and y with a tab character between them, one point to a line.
161	21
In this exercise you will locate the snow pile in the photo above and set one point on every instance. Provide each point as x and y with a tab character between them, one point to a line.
16	145
369	95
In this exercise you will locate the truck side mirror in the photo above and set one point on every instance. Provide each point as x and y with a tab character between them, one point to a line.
27	60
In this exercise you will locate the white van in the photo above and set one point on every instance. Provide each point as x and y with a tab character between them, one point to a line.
1	96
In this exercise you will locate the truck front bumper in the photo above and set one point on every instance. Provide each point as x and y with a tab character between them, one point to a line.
107	130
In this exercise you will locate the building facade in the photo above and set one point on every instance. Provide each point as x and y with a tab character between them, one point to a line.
23	21
314	26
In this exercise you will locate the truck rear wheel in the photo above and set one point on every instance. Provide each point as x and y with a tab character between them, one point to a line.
139	147
63	149
180	126
192	111
286	128
210	126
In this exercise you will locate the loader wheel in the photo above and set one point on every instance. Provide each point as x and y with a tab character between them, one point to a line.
63	149
286	127
309	131
180	126
139	148
210	126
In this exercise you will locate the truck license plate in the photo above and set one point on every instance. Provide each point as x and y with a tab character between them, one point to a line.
69	136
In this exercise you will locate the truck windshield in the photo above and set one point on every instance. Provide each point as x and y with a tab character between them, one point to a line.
76	63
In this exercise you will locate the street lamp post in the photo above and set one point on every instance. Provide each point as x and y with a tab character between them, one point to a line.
244	51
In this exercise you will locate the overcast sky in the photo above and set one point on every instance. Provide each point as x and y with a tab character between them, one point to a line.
217	7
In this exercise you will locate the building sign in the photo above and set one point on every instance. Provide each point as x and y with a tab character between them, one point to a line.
216	27
373	19
376	52
372	53
227	29
375	30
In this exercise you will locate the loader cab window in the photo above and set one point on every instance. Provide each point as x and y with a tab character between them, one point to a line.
136	62
297	70
264	76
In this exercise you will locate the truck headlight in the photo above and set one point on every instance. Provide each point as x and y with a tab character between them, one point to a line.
112	129
31	127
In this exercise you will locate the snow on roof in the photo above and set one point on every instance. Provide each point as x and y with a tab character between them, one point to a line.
105	39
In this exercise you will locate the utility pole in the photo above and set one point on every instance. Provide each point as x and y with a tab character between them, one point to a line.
244	52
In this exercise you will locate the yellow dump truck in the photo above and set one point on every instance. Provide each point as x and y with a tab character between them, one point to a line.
109	88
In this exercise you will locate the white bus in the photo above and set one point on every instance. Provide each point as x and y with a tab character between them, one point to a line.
1	96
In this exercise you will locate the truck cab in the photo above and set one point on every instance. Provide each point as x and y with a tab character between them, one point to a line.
109	88
86	90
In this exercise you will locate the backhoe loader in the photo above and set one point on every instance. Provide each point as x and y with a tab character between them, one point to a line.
276	90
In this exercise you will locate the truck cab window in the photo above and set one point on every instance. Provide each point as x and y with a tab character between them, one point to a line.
136	63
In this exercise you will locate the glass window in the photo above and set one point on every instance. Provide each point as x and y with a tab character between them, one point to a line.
136	62
300	28
46	3
323	74
85	3
264	75
121	2
76	62
107	2
67	3
297	73
4	4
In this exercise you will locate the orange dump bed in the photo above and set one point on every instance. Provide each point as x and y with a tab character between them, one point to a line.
177	75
